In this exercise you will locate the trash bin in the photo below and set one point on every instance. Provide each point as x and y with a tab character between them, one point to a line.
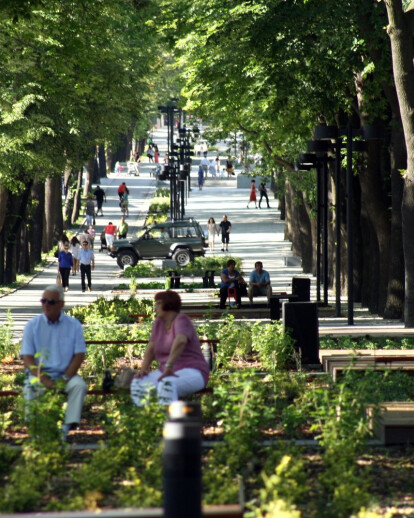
175	279
208	279
301	319
301	288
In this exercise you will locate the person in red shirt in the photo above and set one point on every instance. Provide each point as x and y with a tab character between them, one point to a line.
110	230
121	190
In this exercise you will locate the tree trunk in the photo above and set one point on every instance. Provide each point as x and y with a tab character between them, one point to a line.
53	213
298	227
23	251
367	18
16	215
36	224
400	30
289	197
109	160
395	292
101	163
77	197
90	171
4	193
375	211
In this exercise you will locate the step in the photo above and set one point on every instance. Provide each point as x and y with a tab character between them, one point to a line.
394	424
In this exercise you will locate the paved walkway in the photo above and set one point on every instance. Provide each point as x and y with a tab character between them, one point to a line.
256	234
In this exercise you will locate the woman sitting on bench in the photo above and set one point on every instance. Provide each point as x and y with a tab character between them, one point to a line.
174	344
231	279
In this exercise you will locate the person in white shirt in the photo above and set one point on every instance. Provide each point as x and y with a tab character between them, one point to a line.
212	168
53	349
204	163
87	264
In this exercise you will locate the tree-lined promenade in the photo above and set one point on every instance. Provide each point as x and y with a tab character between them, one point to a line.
80	82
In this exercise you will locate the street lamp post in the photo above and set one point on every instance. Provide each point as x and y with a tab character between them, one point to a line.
318	159
332	135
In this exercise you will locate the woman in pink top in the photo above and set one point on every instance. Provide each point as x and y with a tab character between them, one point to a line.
174	344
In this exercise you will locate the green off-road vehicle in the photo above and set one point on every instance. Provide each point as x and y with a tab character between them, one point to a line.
177	240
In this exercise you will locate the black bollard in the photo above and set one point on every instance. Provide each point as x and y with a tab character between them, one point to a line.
301	318
301	287
182	461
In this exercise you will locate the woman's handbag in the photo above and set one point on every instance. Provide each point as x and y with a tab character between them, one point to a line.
243	289
59	279
124	378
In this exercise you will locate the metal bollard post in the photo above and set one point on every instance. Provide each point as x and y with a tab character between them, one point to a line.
211	283
182	461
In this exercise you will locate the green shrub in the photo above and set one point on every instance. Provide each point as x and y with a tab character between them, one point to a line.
7	346
114	310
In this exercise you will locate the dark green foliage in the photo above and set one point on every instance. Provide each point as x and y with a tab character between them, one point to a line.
114	310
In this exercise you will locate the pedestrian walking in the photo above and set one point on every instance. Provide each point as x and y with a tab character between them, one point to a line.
125	202
212	230
121	190
117	167
85	236
200	177
90	211
110	230
263	194
87	264
65	264
100	198
229	168
225	227
218	164
212	169
252	194
122	228
91	232
204	163
61	245
74	250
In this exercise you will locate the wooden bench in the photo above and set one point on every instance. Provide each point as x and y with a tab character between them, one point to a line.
216	511
336	361
394	424
98	392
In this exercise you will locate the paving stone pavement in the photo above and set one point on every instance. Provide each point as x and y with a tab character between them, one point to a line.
257	234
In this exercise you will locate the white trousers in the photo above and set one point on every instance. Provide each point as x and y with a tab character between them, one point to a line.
186	381
75	389
109	240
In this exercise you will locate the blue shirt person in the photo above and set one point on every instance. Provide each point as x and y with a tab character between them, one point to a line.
53	348
259	282
230	279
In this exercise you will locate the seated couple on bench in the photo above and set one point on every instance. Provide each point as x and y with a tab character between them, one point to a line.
233	284
53	350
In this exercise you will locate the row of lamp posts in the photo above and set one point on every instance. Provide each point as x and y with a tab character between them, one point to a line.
179	161
326	139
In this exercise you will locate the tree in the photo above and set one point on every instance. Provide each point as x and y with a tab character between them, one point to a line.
275	69
401	31
73	75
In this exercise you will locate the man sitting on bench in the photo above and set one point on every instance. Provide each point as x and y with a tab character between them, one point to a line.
53	348
259	282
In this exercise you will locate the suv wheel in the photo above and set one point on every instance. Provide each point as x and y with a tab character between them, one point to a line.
126	258
182	256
